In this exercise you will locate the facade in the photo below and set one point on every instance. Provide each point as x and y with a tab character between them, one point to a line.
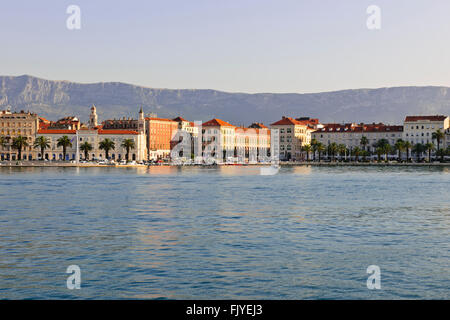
124	123
350	134
293	134
159	132
447	139
221	139
14	124
94	135
419	129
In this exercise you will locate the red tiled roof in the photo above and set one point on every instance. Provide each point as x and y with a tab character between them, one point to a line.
159	119
351	127
178	119
429	118
287	121
56	131
44	120
116	131
217	123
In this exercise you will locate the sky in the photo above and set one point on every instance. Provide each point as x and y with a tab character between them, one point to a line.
250	46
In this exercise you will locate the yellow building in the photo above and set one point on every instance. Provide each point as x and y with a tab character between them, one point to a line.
14	124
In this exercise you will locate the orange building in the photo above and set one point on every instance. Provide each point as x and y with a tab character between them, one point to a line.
159	135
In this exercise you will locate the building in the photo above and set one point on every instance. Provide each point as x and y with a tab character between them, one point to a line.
350	134
94	135
14	124
159	132
419	129
293	134
222	140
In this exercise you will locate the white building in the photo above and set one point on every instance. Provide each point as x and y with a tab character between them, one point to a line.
419	129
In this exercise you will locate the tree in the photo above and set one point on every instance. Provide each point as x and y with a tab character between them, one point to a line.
364	142
332	149
19	143
64	142
107	145
429	147
314	144
438	136
356	153
407	145
42	143
320	148
4	141
306	148
128	144
441	153
400	147
341	149
383	146
86	147
418	149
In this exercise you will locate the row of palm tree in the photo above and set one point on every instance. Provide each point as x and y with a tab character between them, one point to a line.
43	143
381	147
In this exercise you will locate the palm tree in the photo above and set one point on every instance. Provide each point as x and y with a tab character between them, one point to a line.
306	148
128	144
384	147
64	142
418	149
429	147
4	141
86	147
332	149
320	148
42	143
441	153
379	151
356	152
438	136
407	145
19	143
314	144
341	149
107	145
399	146
364	142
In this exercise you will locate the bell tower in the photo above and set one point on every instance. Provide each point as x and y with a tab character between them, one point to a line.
141	121
93	118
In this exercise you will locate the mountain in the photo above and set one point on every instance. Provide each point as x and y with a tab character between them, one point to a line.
57	99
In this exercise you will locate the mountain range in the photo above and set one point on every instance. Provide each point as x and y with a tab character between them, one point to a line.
57	99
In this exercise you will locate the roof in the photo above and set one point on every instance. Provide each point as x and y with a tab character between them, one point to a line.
116	131
56	131
287	121
180	119
429	118
159	119
217	123
352	127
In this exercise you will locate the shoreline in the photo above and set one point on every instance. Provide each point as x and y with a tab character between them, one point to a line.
282	164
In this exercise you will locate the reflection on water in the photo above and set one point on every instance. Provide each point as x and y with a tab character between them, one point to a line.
225	232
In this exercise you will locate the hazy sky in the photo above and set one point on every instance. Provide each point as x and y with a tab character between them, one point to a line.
232	45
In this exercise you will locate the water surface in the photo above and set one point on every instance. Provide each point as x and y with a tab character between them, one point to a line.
225	233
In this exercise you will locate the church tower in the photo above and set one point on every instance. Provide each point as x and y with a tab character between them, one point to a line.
141	121
93	118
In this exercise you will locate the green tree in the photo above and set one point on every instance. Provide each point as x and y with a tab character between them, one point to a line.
429	147
306	148
128	144
356	152
418	149
400	147
438	136
407	145
86	147
320	149
107	145
332	150
19	143
341	149
441	153
42	143
64	142
364	142
314	144
384	147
